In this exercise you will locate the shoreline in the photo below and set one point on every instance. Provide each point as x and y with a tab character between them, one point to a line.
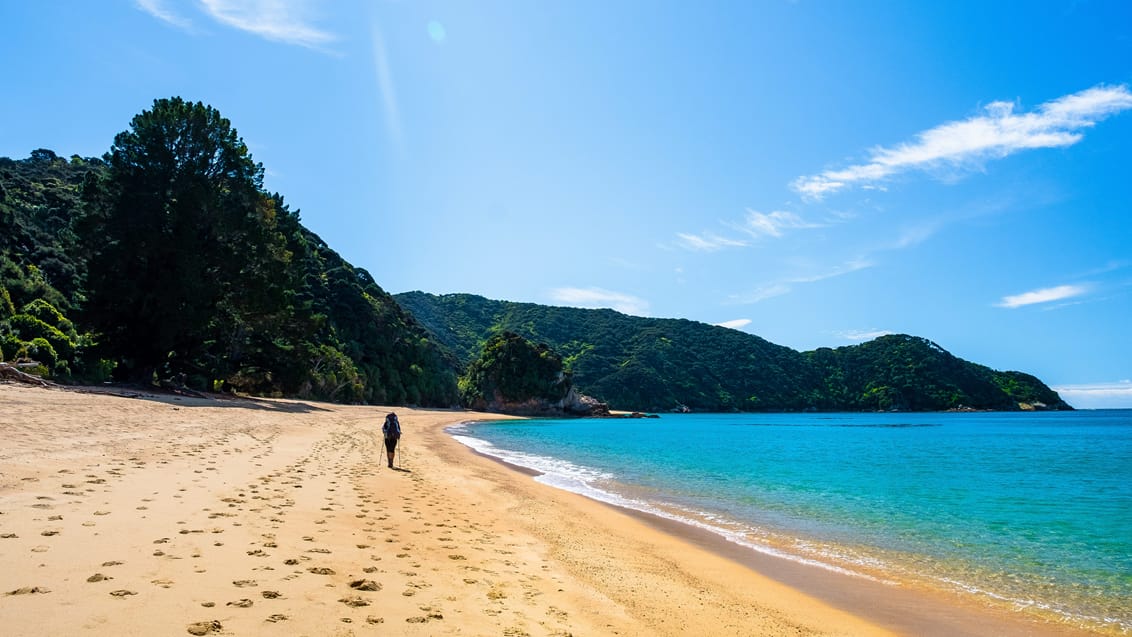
910	609
161	514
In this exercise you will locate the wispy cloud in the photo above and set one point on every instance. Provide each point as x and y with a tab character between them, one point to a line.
283	21
848	267
599	298
736	324
707	242
995	134
160	10
759	294
1117	395
1045	295
785	285
774	224
755	225
863	335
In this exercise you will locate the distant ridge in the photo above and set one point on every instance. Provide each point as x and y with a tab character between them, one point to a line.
658	365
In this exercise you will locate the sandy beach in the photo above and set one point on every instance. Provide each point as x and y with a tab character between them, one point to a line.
145	514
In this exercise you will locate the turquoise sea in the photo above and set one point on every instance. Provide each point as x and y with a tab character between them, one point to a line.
1033	510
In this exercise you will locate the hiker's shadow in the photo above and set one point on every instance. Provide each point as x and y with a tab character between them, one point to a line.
402	470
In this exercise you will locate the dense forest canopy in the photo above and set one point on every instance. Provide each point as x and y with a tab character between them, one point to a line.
512	369
648	364
166	261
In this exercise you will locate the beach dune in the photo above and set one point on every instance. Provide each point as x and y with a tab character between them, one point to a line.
134	513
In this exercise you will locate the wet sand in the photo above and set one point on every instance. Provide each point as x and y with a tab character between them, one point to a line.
162	514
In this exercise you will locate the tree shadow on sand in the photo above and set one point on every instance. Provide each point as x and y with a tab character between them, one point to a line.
191	398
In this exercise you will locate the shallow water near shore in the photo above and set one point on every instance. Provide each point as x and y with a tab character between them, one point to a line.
1029	509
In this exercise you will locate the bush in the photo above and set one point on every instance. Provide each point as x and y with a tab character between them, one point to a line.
29	328
40	350
7	310
47	313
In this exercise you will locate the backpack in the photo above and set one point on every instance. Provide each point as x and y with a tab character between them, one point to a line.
391	428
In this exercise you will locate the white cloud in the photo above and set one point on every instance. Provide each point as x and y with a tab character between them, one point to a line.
599	298
159	10
1045	295
773	224
278	20
760	293
997	133
863	335
845	268
785	285
736	324
756	224
1116	395
708	242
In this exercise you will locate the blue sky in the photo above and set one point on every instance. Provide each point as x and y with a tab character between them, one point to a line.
816	173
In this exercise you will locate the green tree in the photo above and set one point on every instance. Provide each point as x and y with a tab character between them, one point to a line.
178	236
513	369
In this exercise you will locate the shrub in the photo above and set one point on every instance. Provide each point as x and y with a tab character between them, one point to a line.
40	350
7	310
29	328
47	313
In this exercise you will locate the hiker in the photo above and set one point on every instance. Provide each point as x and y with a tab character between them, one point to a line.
392	431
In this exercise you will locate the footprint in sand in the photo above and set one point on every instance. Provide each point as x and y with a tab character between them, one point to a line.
28	590
203	628
355	601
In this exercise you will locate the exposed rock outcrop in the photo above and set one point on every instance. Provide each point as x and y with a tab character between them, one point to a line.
573	404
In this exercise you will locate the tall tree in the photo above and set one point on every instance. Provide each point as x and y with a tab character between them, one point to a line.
180	230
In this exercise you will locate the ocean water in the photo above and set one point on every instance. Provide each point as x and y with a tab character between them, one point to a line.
1032	510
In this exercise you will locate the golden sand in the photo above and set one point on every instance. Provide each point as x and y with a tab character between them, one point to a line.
167	515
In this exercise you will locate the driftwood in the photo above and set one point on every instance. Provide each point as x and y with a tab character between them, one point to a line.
11	372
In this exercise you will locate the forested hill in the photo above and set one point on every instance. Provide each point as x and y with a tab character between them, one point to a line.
167	261
652	364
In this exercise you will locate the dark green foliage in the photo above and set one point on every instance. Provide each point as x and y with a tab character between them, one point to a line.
39	198
513	369
1027	389
660	364
189	270
178	233
29	328
6	307
395	362
908	373
632	363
